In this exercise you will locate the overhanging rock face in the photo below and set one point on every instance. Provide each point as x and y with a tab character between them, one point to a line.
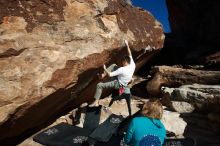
50	51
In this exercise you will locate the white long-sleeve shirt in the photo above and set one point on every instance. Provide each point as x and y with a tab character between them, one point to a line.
125	73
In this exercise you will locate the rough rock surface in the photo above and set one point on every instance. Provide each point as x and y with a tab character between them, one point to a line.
213	59
202	97
214	117
175	76
177	127
201	129
51	50
181	107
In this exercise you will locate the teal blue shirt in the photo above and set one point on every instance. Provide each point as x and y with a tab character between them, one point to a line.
142	126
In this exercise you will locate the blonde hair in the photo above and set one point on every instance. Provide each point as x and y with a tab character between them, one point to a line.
153	109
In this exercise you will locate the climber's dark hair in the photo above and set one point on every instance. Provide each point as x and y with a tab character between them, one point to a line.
126	58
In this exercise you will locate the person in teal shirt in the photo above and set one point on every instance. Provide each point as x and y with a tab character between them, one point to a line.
148	128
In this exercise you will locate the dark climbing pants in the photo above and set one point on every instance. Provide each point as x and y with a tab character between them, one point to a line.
125	96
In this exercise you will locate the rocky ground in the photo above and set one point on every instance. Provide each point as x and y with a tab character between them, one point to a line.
196	126
202	127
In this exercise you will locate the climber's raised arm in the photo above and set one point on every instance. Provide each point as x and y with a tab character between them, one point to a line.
128	48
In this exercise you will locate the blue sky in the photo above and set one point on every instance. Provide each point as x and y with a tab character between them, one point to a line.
158	8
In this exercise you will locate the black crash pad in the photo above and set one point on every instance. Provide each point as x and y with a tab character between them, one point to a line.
92	118
62	135
114	141
104	132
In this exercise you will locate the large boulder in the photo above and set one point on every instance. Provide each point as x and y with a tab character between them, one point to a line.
175	76
200	97
181	106
50	52
173	122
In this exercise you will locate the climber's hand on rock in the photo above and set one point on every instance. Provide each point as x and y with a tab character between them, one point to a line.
126	42
104	67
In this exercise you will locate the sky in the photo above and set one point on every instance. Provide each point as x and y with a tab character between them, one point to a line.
159	10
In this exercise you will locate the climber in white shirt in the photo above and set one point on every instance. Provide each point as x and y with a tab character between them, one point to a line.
120	76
